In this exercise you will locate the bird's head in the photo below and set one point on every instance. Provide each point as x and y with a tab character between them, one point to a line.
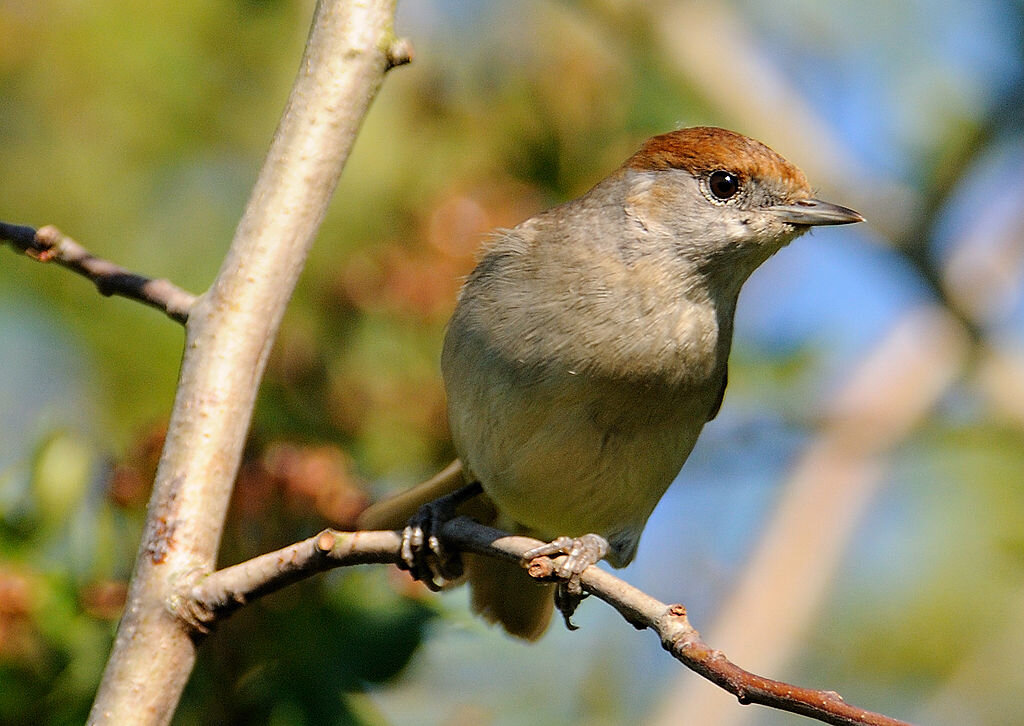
723	198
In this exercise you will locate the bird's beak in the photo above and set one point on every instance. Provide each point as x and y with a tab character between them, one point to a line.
813	212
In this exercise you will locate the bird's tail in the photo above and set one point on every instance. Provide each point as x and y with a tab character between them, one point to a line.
503	593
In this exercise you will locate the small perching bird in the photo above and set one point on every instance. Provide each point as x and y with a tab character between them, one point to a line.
588	349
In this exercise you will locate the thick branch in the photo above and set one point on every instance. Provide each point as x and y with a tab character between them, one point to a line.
222	592
230	331
49	244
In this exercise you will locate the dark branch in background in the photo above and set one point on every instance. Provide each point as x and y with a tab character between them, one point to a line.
49	244
950	170
222	592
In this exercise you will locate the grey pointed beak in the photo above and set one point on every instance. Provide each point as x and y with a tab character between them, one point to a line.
814	212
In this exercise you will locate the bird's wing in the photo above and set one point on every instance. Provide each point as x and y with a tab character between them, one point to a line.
721	395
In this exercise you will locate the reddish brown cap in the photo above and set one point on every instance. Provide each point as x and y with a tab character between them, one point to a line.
703	149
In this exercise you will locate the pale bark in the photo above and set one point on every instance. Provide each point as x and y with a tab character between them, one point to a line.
229	333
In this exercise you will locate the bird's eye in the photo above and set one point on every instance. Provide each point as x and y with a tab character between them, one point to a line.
723	184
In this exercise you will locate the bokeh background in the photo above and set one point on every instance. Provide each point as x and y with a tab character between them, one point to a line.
854	518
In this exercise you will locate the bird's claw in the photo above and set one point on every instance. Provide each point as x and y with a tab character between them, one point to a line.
423	553
581	553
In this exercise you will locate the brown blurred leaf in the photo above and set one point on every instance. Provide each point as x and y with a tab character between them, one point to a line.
104	599
131	479
322	475
19	639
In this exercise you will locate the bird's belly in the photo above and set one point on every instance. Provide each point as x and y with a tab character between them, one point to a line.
572	456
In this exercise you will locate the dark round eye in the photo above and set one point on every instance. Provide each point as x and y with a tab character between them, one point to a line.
723	184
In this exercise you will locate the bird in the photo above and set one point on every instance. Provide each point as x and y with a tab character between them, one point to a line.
586	352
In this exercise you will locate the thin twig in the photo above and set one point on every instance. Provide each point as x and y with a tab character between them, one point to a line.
49	244
222	592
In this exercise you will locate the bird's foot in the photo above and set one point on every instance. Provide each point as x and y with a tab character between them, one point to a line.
581	553
423	553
